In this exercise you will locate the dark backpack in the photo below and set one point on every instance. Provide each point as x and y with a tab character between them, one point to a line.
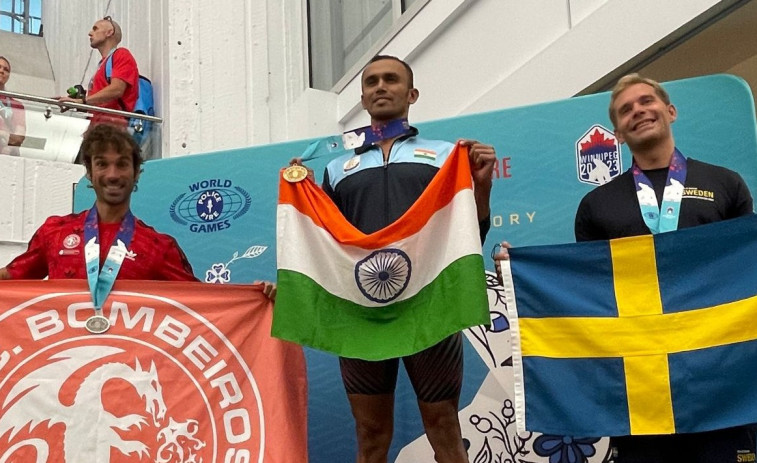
144	104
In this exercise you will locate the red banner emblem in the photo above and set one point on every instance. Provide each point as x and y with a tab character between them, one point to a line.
187	372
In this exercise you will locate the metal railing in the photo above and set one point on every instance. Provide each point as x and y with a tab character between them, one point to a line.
53	129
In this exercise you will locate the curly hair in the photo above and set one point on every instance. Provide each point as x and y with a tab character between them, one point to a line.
103	137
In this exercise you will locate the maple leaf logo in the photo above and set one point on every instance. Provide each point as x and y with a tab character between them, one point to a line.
598	143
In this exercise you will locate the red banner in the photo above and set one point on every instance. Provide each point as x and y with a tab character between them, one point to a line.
187	372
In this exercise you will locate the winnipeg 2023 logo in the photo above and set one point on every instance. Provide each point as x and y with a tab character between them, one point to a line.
162	385
598	157
210	206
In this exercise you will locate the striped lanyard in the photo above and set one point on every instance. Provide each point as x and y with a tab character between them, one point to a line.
661	218
101	280
99	65
364	136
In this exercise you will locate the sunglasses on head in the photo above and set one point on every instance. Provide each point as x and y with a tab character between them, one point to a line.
110	20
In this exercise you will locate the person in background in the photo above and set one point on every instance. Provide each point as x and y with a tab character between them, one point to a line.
120	90
12	117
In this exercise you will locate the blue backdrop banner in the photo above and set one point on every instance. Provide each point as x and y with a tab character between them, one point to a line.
221	207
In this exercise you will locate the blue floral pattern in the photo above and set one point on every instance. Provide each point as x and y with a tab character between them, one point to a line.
493	437
218	273
565	449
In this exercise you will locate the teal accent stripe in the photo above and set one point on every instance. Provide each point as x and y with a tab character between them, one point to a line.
308	315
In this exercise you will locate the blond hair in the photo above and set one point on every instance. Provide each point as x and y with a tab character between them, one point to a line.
633	79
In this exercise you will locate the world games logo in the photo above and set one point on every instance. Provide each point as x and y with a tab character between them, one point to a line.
598	157
162	385
210	206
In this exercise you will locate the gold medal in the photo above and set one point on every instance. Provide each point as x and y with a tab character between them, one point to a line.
294	174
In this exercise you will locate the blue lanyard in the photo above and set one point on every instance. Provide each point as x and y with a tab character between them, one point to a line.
101	281
364	136
92	79
664	218
374	133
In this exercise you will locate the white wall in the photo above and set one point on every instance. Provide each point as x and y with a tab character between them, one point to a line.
512	53
212	57
236	75
34	190
31	76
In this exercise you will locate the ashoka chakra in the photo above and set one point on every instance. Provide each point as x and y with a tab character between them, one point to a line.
383	275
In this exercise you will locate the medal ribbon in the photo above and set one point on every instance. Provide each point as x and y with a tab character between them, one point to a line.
101	281
364	136
374	133
664	218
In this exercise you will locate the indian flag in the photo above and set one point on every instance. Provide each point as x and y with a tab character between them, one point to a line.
424	153
389	294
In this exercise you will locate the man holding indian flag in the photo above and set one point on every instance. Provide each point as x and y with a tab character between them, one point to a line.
395	203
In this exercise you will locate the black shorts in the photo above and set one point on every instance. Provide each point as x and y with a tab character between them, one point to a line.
722	446
436	373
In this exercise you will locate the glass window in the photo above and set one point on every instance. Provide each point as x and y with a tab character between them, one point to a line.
341	32
21	16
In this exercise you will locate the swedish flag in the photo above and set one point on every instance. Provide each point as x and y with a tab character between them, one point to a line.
653	334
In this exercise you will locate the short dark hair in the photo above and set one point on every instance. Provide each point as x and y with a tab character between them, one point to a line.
102	137
407	66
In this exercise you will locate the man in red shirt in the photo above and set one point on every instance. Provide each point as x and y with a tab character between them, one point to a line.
12	118
61	245
122	90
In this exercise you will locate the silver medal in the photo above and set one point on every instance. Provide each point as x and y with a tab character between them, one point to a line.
97	324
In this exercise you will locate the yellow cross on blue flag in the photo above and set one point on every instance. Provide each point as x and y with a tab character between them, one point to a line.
653	334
